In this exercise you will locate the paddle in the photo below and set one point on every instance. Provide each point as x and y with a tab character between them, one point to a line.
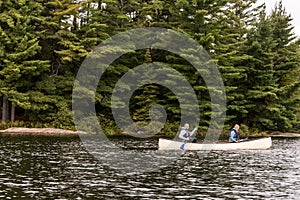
243	140
182	146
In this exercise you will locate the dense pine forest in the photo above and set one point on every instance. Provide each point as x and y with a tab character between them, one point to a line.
44	42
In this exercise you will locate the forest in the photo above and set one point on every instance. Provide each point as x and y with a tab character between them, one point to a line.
44	42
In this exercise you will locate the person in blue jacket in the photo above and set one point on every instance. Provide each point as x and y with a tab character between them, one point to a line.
234	135
185	135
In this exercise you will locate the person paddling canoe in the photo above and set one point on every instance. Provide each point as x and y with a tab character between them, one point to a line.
234	135
185	135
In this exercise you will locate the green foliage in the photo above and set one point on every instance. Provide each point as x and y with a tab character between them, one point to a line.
272	84
30	124
170	129
20	67
43	43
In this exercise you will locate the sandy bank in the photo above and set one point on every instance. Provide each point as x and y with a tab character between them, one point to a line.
39	131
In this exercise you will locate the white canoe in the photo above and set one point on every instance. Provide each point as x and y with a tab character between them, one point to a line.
262	143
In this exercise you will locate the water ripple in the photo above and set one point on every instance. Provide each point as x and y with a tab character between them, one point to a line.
61	168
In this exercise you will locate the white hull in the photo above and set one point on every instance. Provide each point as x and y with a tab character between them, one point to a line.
263	143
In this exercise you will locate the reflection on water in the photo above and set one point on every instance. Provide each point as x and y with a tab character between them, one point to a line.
61	168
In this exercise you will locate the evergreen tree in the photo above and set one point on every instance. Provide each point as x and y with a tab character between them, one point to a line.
286	63
61	45
221	32
20	66
261	84
220	27
230	55
102	20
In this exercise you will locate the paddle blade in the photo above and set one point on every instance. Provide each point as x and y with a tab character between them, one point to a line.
182	147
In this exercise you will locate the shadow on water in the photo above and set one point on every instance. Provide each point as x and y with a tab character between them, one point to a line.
41	167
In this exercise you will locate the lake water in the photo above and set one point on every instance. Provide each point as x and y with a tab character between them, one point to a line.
42	167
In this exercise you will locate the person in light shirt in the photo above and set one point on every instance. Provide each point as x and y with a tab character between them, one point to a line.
185	135
234	135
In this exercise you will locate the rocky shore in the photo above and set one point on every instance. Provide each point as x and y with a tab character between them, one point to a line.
38	131
283	135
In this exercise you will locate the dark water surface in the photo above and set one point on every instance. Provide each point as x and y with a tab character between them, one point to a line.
42	167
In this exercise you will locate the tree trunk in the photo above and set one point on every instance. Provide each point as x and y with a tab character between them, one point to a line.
4	109
13	112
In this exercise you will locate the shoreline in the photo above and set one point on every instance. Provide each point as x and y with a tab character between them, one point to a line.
56	131
38	131
283	135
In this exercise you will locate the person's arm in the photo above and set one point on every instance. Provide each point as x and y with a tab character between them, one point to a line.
192	133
